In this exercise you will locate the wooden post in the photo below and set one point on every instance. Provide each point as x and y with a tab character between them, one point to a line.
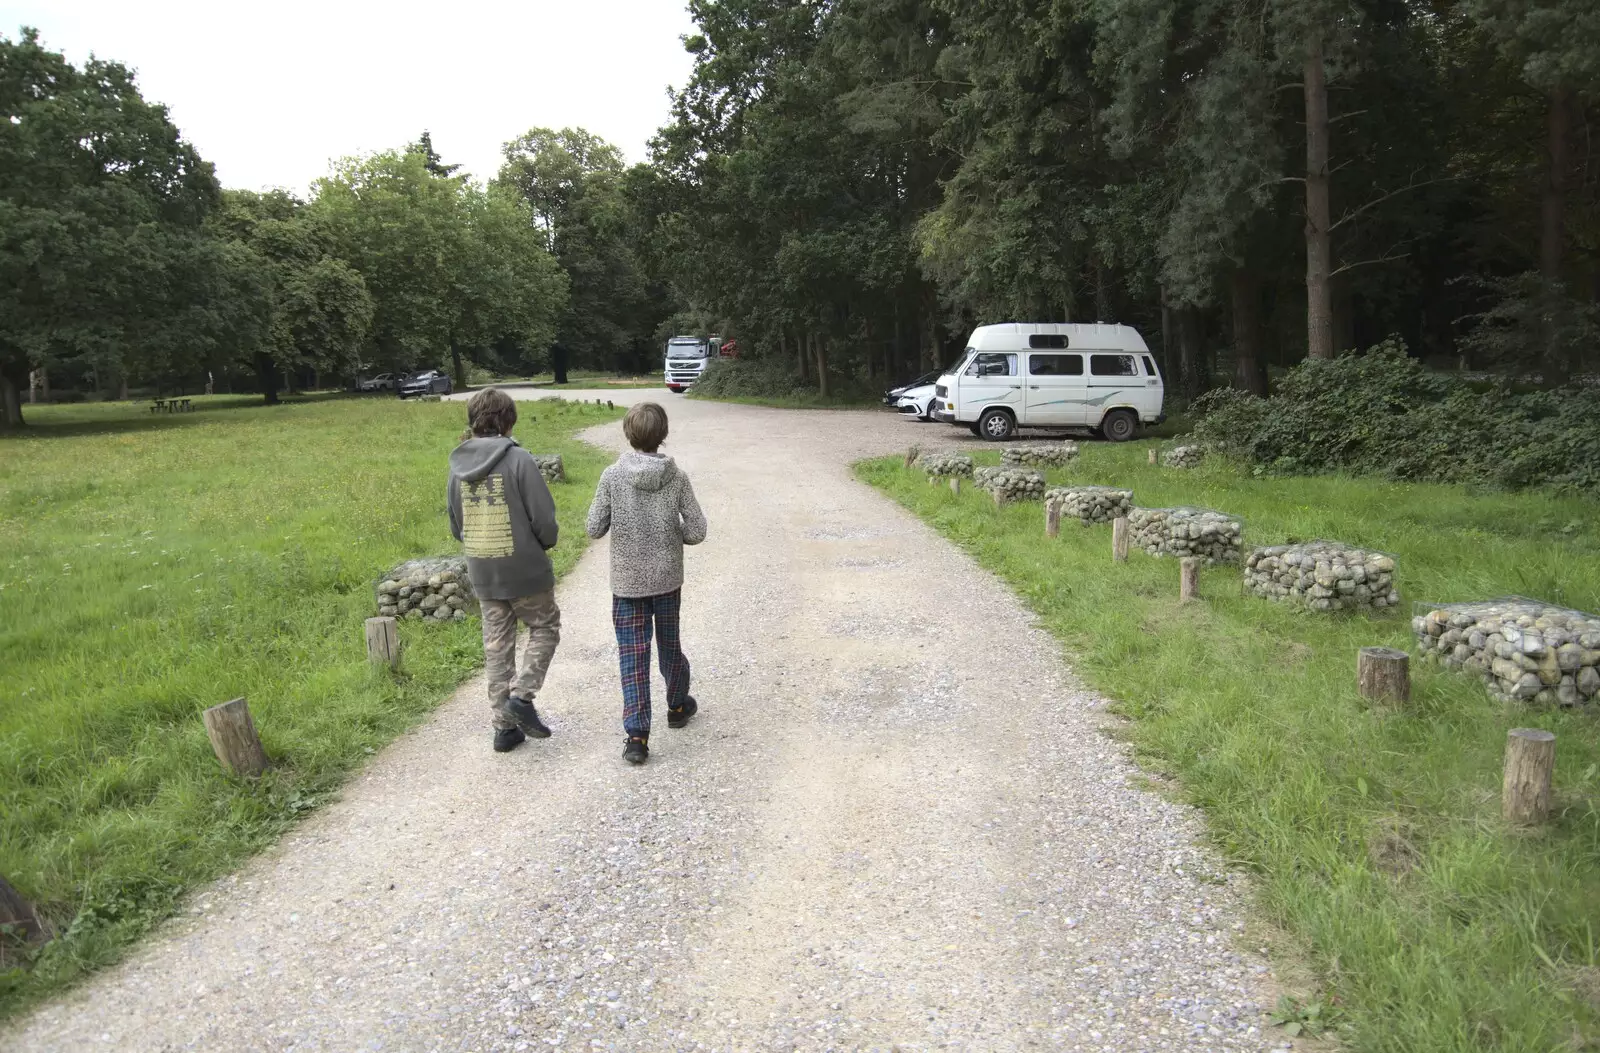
911	456
1052	518
1530	765
18	912
383	642
1119	539
1188	579
998	500
955	485
233	737
1383	674
1152	455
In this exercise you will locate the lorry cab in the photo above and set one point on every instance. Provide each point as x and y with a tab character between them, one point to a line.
686	358
1052	375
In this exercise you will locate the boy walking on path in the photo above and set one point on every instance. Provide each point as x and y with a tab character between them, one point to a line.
646	503
502	513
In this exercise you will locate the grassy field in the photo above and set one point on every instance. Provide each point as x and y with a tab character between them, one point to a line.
1374	833
151	566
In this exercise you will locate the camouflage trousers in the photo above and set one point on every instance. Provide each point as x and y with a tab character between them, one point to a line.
506	676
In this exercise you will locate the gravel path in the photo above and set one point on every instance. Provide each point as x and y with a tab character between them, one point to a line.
894	826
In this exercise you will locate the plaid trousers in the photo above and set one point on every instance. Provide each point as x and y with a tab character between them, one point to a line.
633	619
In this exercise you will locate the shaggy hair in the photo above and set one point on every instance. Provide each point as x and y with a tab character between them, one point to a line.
646	427
491	412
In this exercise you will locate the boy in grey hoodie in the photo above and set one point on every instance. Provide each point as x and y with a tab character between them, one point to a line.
502	513
646	503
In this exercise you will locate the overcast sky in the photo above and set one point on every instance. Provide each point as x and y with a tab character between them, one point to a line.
270	92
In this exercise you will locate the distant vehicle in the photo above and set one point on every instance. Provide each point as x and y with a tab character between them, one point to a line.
427	382
1053	374
686	358
892	396
917	402
381	382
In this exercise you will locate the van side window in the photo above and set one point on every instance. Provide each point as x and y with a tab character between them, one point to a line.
1053	341
992	364
1113	366
1150	366
1055	365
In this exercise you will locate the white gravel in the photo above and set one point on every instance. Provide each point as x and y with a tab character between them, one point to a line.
893	826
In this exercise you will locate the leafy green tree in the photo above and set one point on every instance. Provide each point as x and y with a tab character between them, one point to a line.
104	266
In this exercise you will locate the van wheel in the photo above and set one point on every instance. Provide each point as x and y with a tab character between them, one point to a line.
1119	425
996	425
973	428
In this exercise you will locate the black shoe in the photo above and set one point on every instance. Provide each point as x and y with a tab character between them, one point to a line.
508	739
527	718
677	718
635	752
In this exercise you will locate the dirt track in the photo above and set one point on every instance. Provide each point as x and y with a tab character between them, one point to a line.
893	826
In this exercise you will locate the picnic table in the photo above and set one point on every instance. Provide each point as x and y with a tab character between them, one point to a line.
174	405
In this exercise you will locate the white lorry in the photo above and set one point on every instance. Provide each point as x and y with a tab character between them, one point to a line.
687	357
1052	375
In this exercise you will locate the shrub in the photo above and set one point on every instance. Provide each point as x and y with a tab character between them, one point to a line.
774	379
1383	413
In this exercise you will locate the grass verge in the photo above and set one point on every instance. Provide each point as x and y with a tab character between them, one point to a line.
1374	833
156	565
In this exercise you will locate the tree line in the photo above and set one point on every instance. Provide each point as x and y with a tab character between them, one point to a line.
124	263
847	187
852	184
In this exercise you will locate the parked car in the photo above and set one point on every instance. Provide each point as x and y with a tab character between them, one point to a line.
427	382
1050	375
381	382
918	402
892	396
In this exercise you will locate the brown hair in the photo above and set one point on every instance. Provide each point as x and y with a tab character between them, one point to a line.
490	412
646	427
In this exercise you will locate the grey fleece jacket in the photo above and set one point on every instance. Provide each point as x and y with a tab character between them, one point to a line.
502	513
647	504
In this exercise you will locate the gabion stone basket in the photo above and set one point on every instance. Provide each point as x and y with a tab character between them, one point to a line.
1525	650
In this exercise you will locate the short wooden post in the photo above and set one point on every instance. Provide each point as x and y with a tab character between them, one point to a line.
1530	767
1119	539
383	641
1383	674
233	737
18	913
911	456
1188	579
955	485
1052	518
1152	455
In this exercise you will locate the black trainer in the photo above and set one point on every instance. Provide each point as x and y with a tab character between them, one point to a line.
636	751
677	718
508	739
527	717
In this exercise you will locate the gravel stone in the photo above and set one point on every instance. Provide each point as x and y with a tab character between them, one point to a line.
895	824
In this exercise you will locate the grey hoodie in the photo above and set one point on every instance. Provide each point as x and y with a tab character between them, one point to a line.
647	504
502	513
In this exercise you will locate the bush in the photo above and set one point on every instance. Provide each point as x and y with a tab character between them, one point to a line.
1383	413
750	378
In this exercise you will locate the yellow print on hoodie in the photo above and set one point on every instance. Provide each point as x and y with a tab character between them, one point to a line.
486	519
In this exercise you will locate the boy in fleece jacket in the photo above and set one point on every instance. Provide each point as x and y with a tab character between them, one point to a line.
646	503
502	513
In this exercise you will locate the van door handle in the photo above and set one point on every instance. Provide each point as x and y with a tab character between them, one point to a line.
1033	387
1016	387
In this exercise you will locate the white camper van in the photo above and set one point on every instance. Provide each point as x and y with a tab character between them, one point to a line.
1052	375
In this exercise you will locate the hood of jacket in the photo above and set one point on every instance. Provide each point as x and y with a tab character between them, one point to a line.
477	457
645	471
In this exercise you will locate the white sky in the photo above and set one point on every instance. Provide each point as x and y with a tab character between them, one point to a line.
269	93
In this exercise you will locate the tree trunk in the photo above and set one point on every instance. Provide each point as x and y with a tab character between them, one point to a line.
1190	366
802	353
1102	296
1248	374
267	373
10	402
122	390
1319	220
1552	228
558	363
820	349
458	367
1169	340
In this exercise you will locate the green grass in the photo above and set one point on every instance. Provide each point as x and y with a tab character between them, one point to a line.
1374	834
151	566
